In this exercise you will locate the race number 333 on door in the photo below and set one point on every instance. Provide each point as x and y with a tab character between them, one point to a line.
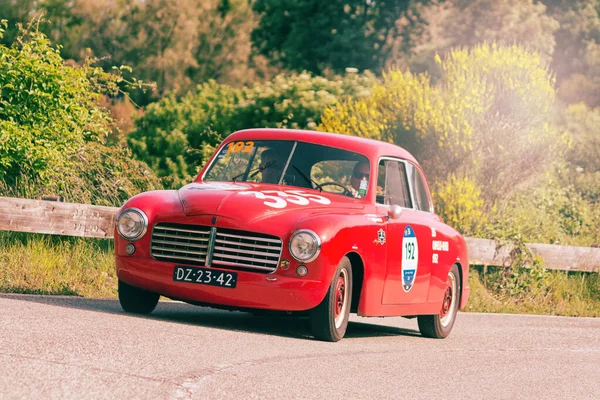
410	258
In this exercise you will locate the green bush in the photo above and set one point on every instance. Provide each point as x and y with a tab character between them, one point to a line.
534	291
175	136
52	130
582	125
555	213
47	110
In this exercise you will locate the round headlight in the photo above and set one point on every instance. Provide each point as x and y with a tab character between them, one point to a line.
305	245
132	224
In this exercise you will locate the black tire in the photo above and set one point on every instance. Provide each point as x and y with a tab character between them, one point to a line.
329	319
136	300
262	313
440	325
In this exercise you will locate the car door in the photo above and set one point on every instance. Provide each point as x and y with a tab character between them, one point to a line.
408	269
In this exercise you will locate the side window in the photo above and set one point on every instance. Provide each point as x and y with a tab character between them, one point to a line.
421	194
392	186
338	171
343	176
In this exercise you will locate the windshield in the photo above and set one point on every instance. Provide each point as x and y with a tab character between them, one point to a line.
292	163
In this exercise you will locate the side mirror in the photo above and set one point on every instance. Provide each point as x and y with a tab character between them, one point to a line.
394	211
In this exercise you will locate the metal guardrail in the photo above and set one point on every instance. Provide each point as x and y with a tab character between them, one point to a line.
70	219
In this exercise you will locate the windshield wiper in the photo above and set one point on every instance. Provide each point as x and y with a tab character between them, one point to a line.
253	171
307	179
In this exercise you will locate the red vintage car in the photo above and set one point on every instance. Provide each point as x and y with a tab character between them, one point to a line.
316	223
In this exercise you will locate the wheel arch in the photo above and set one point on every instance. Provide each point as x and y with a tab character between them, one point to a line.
358	274
462	283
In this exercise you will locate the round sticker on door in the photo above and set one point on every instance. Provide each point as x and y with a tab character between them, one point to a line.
410	258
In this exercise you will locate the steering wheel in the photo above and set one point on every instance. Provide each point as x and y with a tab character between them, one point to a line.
345	191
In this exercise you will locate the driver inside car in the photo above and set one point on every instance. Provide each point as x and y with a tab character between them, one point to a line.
360	177
359	180
271	166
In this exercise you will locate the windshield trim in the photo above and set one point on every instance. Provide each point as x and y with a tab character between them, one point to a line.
214	159
287	163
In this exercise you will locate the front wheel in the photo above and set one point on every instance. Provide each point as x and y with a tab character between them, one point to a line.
439	326
329	319
136	300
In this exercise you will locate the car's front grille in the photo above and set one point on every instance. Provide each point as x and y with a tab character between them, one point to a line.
184	243
246	250
200	245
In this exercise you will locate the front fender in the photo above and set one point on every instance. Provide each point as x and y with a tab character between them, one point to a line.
154	203
340	235
164	201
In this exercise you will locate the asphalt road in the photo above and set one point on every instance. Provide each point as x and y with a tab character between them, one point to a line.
64	347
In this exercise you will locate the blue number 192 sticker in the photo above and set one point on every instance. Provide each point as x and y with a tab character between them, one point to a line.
410	258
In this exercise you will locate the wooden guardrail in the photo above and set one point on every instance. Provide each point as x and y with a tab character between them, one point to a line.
56	218
565	258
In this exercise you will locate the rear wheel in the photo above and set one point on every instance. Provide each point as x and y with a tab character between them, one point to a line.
136	300
439	326
329	319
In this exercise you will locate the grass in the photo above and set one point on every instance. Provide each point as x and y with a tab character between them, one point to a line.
535	292
41	264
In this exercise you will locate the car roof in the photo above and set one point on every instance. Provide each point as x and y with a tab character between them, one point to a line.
373	149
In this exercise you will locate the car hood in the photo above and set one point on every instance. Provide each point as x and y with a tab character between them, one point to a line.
251	202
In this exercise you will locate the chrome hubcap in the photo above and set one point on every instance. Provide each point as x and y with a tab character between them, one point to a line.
341	298
449	304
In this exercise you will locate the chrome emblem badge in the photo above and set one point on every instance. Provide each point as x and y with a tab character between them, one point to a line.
380	237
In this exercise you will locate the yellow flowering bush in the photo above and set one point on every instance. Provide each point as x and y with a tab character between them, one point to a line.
490	116
458	202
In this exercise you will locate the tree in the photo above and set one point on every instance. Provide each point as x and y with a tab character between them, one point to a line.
577	57
439	26
52	130
57	19
175	43
565	32
317	35
16	11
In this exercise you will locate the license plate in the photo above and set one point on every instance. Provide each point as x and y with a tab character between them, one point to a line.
205	276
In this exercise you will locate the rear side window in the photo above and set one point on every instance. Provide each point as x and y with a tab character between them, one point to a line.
392	186
421	194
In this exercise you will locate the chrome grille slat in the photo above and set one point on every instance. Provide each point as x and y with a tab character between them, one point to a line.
216	247
255	238
163	228
194	245
258	246
245	251
199	253
236	257
180	237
